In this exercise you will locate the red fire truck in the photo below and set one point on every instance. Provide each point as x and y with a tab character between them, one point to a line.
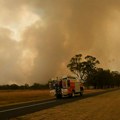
65	86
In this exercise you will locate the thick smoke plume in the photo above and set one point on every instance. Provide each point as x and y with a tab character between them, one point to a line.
38	38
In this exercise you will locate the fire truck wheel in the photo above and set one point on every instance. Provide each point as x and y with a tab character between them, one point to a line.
59	96
81	93
70	95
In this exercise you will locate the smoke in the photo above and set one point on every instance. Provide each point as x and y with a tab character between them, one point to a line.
9	58
50	32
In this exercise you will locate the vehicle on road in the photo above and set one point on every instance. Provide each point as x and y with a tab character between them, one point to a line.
65	86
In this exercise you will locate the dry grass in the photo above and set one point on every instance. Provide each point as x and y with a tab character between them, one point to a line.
102	107
17	96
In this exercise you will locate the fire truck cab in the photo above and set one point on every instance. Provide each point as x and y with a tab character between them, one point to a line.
65	86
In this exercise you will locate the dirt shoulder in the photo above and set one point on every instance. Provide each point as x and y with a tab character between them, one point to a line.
102	107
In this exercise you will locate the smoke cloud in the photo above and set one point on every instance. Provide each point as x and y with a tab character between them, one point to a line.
38	38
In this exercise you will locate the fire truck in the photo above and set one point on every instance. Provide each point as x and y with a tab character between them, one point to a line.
65	86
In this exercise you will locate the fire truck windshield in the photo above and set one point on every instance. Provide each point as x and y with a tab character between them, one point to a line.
61	84
54	84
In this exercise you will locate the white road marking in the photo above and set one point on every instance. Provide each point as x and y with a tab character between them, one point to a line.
26	106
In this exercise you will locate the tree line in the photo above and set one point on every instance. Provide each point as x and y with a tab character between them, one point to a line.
34	86
87	71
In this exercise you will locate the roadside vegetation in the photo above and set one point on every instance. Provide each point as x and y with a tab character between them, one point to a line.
87	71
35	86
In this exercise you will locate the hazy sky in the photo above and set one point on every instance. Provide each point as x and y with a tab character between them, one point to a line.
38	37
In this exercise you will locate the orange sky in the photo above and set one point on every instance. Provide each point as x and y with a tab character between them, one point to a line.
38	37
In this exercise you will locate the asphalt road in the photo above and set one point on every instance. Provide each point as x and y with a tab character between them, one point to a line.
26	108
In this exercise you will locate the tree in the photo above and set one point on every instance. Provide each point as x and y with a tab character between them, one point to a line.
102	79
14	86
83	69
116	78
75	65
